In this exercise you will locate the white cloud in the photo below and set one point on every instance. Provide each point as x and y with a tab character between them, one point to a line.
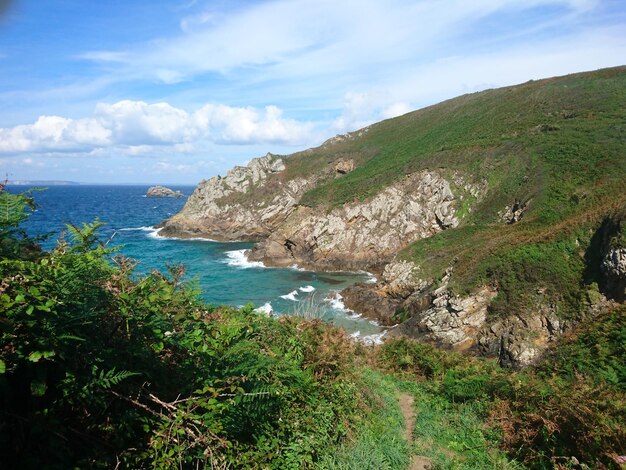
104	56
138	128
247	125
363	109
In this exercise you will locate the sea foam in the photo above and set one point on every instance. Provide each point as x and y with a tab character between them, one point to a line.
238	259
290	296
265	308
307	289
154	233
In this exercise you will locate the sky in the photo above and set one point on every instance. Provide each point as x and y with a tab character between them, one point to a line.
177	91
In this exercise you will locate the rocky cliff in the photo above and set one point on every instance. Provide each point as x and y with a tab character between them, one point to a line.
208	212
363	235
488	219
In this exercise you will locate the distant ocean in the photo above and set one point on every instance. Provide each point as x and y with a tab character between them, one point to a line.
223	274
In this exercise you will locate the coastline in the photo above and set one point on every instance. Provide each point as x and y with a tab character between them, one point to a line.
240	258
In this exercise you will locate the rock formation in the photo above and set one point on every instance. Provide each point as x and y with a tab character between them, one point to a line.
209	212
162	191
360	235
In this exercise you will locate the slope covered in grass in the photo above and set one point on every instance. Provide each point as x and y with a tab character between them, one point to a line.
555	147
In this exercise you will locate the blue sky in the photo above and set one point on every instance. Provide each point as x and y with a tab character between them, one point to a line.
177	91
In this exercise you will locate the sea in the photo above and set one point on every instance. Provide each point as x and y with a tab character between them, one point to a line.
221	270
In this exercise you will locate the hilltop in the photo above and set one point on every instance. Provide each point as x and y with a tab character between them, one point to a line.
494	220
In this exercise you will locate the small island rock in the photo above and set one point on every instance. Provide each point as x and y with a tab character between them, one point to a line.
162	191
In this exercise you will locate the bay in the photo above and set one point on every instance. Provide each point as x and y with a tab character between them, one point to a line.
220	269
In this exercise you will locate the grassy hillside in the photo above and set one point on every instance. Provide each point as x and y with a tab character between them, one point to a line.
559	133
556	146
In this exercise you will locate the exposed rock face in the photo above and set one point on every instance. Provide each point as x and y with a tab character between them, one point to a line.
401	279
207	215
514	213
362	234
448	320
462	322
613	266
384	300
162	191
343	166
519	341
371	304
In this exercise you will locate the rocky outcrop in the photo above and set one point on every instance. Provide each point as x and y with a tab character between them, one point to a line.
613	266
342	167
385	301
162	191
371	304
360	235
518	341
514	213
209	212
447	320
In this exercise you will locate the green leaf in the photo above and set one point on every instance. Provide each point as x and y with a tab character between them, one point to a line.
35	356
38	388
3	367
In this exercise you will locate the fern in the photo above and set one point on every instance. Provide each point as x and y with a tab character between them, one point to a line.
109	378
14	208
84	237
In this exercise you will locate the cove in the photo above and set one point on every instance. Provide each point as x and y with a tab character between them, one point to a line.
220	270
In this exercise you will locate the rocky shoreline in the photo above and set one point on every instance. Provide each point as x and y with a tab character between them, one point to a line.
261	203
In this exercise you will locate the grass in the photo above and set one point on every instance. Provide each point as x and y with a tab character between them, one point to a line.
472	414
379	442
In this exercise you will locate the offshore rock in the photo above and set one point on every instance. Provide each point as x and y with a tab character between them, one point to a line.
162	191
360	235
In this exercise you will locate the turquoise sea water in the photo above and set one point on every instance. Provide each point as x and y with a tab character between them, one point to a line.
221	270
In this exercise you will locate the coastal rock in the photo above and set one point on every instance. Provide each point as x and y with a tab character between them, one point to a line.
450	321
360	235
399	287
371	304
213	211
518	341
401	278
162	191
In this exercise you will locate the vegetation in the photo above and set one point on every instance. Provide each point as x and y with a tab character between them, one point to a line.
567	411
102	368
99	368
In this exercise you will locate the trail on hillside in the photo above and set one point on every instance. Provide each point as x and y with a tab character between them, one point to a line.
406	400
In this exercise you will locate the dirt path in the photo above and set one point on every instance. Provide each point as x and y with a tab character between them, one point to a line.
408	411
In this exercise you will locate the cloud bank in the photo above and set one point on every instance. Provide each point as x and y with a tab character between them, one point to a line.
139	126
